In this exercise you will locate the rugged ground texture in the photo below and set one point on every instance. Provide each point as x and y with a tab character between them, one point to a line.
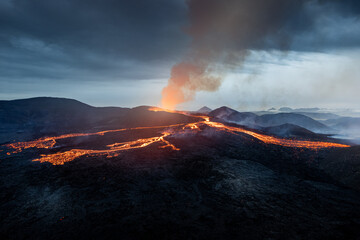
216	187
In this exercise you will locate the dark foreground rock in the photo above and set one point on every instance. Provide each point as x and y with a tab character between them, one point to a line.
159	194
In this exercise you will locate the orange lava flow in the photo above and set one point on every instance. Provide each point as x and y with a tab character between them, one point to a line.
49	142
276	140
113	150
67	156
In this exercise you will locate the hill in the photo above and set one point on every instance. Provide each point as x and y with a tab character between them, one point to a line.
35	117
269	120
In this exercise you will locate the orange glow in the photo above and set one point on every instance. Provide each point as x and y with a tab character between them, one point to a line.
171	97
276	140
49	142
67	156
186	79
157	109
113	150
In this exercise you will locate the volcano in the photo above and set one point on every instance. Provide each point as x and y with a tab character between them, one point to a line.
70	170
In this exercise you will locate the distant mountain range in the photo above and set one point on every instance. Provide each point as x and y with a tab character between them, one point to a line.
35	117
287	109
269	120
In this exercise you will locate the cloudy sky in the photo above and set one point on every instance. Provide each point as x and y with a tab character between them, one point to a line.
264	53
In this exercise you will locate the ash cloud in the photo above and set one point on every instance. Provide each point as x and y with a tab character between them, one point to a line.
224	32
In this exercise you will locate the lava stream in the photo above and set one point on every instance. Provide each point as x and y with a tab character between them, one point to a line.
113	149
276	140
49	142
62	157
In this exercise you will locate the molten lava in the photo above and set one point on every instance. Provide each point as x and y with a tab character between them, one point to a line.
275	140
113	150
67	156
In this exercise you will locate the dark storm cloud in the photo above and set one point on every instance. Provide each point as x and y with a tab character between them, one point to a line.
108	39
132	28
271	24
93	35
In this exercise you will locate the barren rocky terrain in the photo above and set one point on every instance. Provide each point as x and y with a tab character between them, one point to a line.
219	185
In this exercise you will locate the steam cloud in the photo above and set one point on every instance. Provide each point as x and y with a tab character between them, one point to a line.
224	31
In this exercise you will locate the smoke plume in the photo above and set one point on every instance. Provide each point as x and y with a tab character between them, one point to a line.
224	31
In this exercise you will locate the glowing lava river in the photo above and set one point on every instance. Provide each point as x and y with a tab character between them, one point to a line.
112	150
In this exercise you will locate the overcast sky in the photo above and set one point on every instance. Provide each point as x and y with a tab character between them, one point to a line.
299	53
